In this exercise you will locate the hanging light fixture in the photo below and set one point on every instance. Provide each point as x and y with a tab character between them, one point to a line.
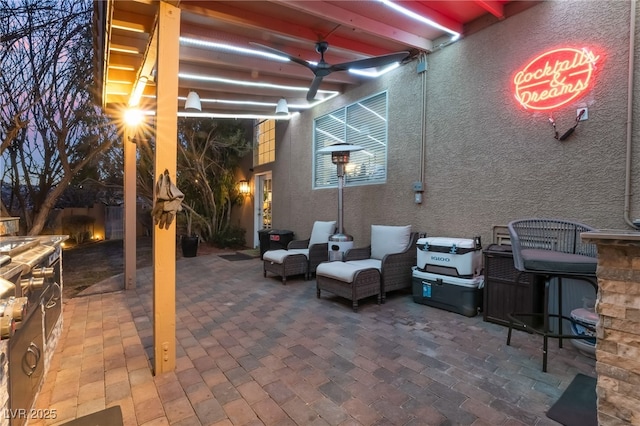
281	107
193	102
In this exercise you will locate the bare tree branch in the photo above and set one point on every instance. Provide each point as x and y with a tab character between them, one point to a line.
52	133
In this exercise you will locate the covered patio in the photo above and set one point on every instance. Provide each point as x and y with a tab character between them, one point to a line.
251	351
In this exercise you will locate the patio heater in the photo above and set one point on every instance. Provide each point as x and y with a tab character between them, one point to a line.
340	242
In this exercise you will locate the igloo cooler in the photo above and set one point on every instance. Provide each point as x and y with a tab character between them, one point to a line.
459	295
456	257
584	325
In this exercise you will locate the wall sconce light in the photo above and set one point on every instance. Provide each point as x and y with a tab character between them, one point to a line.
281	107
193	102
244	188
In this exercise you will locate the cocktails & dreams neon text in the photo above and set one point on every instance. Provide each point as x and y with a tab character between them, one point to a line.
555	78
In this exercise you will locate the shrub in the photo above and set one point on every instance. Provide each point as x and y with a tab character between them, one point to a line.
78	227
230	237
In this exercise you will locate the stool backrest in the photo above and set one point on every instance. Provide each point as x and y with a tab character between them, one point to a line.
548	234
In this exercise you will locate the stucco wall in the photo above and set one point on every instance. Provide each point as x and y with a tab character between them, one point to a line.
486	160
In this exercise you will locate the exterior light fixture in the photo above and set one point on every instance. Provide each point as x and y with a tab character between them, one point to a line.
133	117
193	102
340	242
244	188
281	107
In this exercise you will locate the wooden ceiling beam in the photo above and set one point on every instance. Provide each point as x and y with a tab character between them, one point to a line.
120	75
285	29
493	7
422	9
134	22
246	18
306	53
353	20
117	59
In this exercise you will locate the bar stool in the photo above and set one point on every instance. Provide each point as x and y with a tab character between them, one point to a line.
550	249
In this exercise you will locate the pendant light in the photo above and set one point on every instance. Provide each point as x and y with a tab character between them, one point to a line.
193	102
281	107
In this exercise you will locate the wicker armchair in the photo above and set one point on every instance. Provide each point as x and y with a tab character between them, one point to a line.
374	270
395	271
317	253
301	256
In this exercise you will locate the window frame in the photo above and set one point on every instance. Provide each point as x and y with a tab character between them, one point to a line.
270	153
322	166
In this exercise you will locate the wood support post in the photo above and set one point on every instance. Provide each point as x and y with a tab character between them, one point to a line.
130	207
164	240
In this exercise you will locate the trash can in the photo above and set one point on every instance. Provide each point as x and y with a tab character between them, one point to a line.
263	238
279	239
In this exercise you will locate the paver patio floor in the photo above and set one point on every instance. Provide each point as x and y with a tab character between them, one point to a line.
251	351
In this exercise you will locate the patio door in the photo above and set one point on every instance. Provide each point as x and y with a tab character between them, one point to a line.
264	196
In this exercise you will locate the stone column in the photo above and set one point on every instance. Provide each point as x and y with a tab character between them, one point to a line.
618	331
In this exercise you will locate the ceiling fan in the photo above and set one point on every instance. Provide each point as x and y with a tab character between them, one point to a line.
323	69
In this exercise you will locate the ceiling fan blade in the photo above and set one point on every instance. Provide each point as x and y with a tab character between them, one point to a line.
286	55
315	84
377	61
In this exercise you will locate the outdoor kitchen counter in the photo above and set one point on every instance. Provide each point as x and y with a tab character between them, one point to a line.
43	239
52	240
33	252
33	265
610	235
11	272
618	309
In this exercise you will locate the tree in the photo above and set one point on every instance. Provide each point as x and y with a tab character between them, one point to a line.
209	152
52	130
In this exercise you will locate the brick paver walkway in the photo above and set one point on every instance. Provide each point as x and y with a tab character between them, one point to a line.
251	351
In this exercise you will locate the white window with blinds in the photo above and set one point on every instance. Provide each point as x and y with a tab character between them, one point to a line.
363	123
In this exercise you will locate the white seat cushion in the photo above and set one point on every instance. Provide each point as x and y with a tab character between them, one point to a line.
299	251
278	256
367	263
341	271
388	240
322	231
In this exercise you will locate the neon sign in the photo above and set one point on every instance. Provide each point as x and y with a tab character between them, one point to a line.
554	78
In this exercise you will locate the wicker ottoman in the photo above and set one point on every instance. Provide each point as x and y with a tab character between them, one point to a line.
285	263
348	281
